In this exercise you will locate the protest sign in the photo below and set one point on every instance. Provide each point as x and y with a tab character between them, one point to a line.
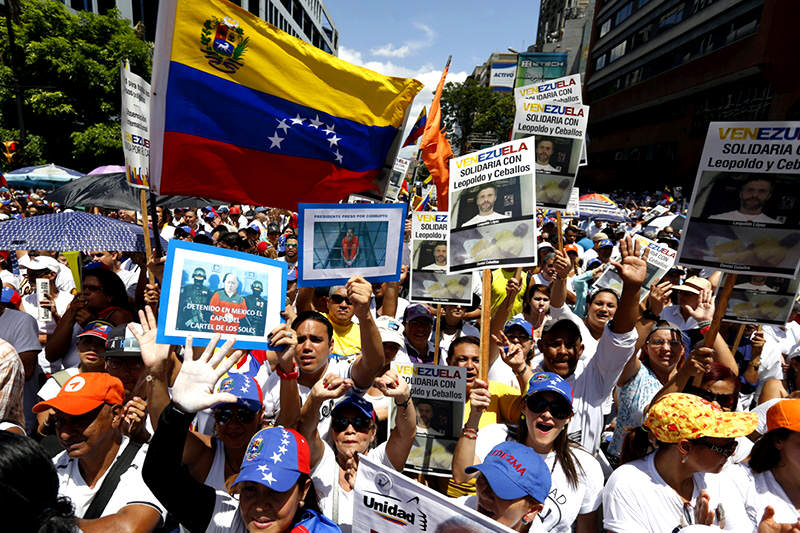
342	240
761	300
559	130
654	213
492	208
659	261
399	171
208	290
439	394
534	67
386	501
573	209
135	125
744	214
430	282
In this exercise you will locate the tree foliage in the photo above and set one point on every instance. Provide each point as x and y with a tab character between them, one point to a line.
468	109
70	74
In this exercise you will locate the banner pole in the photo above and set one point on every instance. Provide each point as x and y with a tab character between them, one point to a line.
148	251
437	339
719	312
154	217
486	307
559	232
735	345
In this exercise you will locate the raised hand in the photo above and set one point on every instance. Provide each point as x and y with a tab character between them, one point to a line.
134	415
330	387
704	312
193	389
510	352
562	264
284	339
154	356
632	269
479	397
659	297
393	386
359	291
769	525
513	286
699	362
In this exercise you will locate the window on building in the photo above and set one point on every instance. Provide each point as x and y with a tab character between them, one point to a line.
617	52
605	28
307	26
600	62
104	6
297	13
671	18
78	4
624	12
287	4
253	7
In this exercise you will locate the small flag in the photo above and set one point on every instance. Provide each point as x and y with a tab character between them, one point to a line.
404	187
423	206
417	130
436	151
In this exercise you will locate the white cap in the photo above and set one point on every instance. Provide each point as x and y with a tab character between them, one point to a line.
41	262
391	330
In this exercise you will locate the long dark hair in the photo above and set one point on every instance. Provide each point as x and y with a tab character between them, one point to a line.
562	447
636	445
29	488
765	455
112	286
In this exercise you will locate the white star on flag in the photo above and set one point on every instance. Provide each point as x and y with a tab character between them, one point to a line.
316	123
276	458
275	140
268	477
245	387
334	140
282	449
328	130
297	120
263	468
337	156
282	125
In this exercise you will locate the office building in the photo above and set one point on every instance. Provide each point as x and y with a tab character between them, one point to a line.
498	72
565	26
661	70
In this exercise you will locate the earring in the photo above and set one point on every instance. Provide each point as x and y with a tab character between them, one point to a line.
684	458
526	522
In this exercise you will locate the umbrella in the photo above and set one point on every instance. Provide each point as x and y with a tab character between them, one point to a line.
75	231
676	221
598	197
107	169
112	191
42	174
601	207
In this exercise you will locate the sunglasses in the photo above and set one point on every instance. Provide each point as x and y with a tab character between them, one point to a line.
291	245
225	415
360	423
727	450
558	408
518	336
662	342
338	298
725	401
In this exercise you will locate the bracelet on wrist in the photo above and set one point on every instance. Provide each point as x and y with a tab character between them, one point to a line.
470	433
402	404
293	374
704	324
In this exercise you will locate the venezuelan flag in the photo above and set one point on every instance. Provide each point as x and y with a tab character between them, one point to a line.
418	129
244	112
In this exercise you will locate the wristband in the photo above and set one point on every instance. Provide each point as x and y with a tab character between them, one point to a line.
704	324
403	404
294	374
704	330
649	315
470	433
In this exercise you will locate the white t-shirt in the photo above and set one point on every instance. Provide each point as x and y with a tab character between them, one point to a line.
10	278
548	167
637	499
272	395
471	502
131	489
20	331
762	490
565	502
446	339
738	216
325	476
784	337
130	278
477	219
672	314
30	303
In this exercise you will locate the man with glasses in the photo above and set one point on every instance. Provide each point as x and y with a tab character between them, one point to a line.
346	333
290	257
113	262
88	415
123	359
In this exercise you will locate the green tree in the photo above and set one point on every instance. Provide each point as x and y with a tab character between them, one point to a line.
468	109
70	74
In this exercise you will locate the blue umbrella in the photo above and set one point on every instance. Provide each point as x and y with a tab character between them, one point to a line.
42	174
76	231
599	210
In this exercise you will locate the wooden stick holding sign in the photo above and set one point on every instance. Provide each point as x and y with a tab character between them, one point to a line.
719	312
735	345
559	232
437	338
486	317
146	229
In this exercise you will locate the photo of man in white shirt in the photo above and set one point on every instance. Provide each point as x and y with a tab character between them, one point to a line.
544	151
485	200
753	196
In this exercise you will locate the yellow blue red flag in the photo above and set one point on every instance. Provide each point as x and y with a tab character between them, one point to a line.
417	129
244	112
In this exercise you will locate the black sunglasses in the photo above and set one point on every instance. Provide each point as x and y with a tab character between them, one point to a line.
727	449
360	423
225	415
725	401
558	408
338	298
518	336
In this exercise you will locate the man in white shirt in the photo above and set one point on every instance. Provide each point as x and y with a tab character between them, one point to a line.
439	257
688	296
88	416
544	151
485	200
753	196
756	284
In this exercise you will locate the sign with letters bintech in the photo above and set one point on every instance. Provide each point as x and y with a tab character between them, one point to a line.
744	216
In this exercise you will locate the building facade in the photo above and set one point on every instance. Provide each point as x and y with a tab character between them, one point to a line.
661	70
308	20
565	26
498	72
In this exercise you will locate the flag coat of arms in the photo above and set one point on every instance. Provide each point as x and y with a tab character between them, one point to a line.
244	112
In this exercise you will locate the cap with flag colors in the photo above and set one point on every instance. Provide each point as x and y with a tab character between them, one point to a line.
417	129
239	107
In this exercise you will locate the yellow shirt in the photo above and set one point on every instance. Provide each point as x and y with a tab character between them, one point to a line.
346	340
500	278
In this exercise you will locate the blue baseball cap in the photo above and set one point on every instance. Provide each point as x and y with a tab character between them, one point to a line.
260	209
415	311
275	458
547	381
521	322
604	243
223	209
356	401
514	471
593	263
244	387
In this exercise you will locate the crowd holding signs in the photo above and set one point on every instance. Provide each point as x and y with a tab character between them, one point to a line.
332	367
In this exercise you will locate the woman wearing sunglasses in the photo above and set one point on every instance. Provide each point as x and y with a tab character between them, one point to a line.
686	480
576	476
273	479
334	463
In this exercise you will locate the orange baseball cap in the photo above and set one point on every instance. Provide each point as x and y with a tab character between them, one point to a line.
784	414
572	248
679	416
85	392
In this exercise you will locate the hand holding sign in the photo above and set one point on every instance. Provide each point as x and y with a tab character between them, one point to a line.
359	291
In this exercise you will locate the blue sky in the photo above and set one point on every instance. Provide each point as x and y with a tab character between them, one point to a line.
413	38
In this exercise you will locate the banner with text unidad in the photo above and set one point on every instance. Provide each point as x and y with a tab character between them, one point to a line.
492	208
744	216
430	282
135	126
386	501
439	394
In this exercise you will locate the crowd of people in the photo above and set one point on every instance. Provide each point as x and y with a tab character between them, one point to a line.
602	410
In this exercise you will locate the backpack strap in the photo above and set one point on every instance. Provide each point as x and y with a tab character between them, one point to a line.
109	485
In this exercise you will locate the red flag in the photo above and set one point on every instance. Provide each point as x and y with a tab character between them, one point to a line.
436	151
